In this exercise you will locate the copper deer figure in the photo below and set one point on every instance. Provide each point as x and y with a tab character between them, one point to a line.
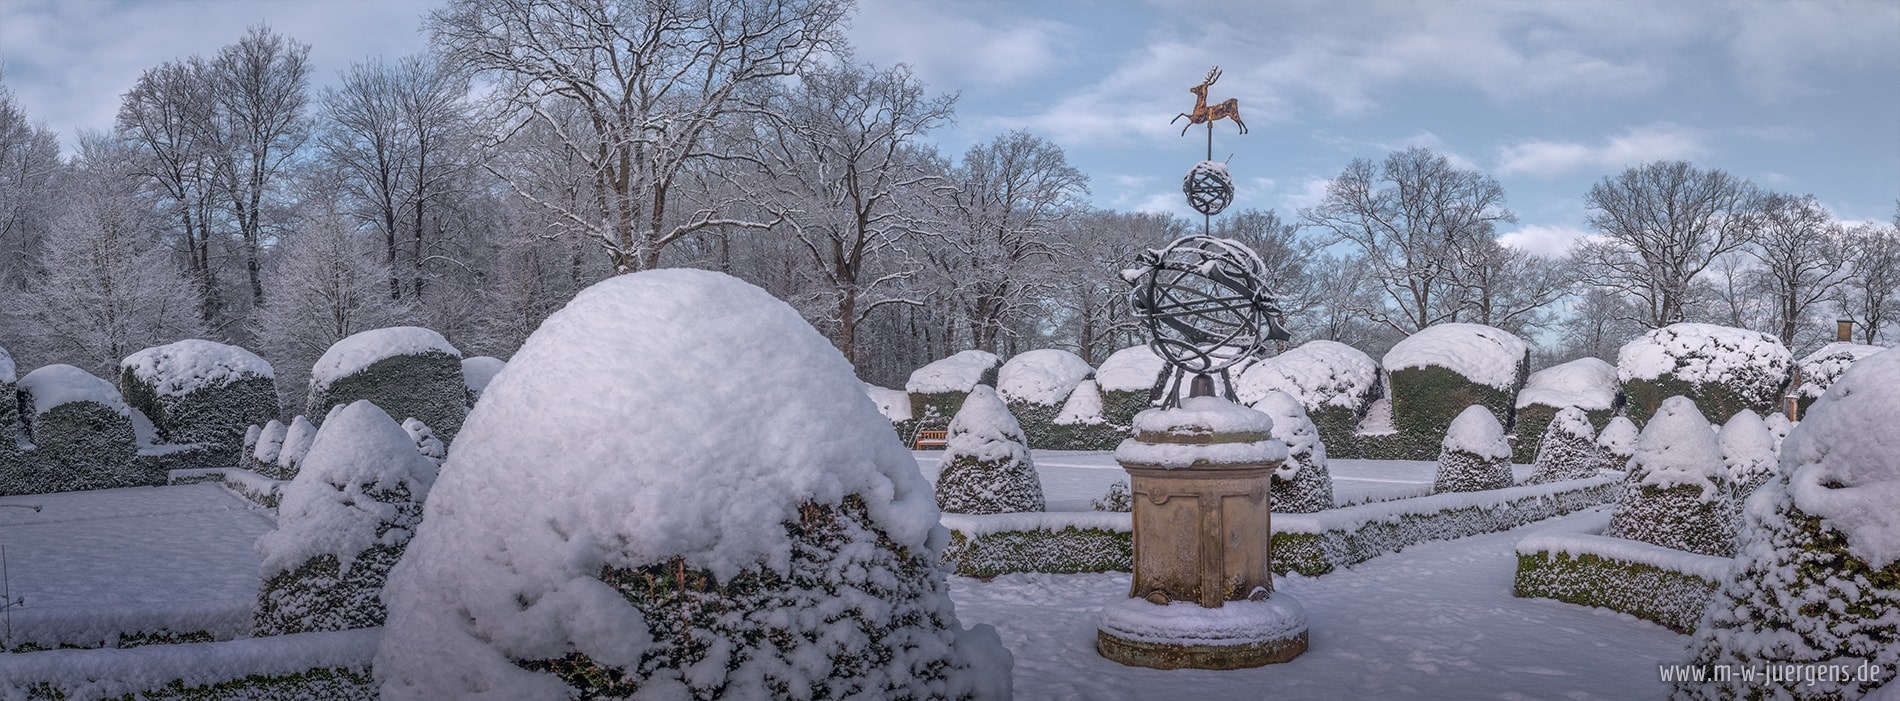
1204	113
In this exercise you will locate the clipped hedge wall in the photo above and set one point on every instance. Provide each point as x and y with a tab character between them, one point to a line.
1711	398
426	386
1037	420
82	445
1426	399
1668	597
1052	548
1533	420
214	415
933	411
1102	436
328	666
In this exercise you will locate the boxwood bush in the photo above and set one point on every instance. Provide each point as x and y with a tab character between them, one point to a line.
1437	372
937	390
82	433
406	370
201	392
1588	384
1130	382
1722	369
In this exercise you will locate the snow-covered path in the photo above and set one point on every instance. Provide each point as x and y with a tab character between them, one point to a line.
1436	621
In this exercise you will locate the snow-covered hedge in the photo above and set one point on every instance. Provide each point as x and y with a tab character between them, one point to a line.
1302	484
247	485
9	406
1678	495
1723	369
1474	455
1748	453
1818	579
1617	441
342	523
1586	383
408	371
1335	382
677	489
82	433
1651	582
895	406
937	390
1820	368
1435	373
1080	425
477	372
986	545
986	465
1035	385
329	666
1129	380
198	391
1568	450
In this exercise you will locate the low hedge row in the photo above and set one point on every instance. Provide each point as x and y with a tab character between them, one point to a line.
330	666
1668	587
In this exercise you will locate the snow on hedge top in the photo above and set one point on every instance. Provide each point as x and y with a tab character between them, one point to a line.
984	429
6	368
1131	369
1318	373
1045	376
478	371
1843	460
894	405
1678	448
350	355
1619	437
1700	353
1585	383
55	385
328	508
1482	354
178	369
1819	369
1477	431
957	373
1084	406
1748	448
668	413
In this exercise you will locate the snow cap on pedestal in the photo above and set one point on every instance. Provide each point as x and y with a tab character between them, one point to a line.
1202	431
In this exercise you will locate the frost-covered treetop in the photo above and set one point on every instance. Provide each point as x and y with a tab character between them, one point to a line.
1701	353
178	369
351	355
326	510
1819	369
478	371
984	429
6	368
1199	416
1318	374
1482	354
1619	436
56	385
1748	448
1045	376
957	373
1586	383
894	405
1291	425
1843	460
1678	448
1131	369
1478	432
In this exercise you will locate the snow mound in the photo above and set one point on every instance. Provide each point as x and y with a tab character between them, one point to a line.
178	369
985	430
55	385
1318	373
1677	448
1619	437
1586	383
351	355
478	371
1482	354
270	442
894	405
668	419
1748	451
1044	377
1843	460
1084	406
329	509
297	441
957	373
1700	353
1131	369
1820	368
1277	617
1199	416
1477	431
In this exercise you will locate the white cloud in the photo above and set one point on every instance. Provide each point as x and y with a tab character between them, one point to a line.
1634	146
1786	49
955	45
1543	239
1310	193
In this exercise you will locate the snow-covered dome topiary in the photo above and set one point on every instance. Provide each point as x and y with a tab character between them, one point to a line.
1618	442
424	440
198	391
1723	369
270	442
1474	455
1678	496
1568	449
937	390
298	438
986	465
1035	384
677	489
83	433
1128	380
1333	381
1748	453
477	372
1080	424
1585	383
1436	373
1820	368
342	523
1817	581
1303	484
409	371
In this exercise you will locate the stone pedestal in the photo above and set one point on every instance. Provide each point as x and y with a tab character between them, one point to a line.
1203	586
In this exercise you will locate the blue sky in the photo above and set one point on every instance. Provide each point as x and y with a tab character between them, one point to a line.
1548	97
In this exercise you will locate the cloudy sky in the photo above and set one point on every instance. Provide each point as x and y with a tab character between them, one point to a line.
1548	97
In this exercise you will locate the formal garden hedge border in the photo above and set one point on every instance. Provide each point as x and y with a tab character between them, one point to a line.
333	665
1657	584
262	492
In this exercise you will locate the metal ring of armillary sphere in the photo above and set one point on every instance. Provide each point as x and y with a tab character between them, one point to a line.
1205	302
1209	187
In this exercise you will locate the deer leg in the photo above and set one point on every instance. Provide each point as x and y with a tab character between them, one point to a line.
1243	125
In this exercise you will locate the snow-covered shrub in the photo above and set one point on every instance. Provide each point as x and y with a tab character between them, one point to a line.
1586	383
9	406
1778	426
1302	484
1748	453
298	438
1335	383
1568	449
1678	495
1617	441
678	489
1817	580
986	466
198	391
1474	456
409	371
1116	499
82	432
1820	368
270	442
1035	384
937	389
1668	587
477	372
895	406
1439	371
1080	424
1722	369
424	439
1062	542
1130	380
341	524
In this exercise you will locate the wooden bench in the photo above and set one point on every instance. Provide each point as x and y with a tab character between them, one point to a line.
930	439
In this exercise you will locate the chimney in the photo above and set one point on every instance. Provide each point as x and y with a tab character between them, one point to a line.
1844	330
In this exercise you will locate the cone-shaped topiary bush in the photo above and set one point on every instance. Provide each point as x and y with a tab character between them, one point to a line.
82	433
1302	484
409	371
201	392
269	443
342	524
424	438
1748	453
1617	440
1778	426
1035	384
297	440
1678	495
1568	449
1817	581
986	466
1474	456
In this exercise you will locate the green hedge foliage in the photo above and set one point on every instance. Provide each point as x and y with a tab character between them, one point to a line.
214	415
1066	551
78	446
1426	399
426	386
1534	420
1712	398
1666	597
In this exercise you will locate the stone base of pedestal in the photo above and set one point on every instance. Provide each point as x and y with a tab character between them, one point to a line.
1237	635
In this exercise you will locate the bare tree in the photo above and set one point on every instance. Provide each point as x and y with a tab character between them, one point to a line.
649	79
1417	219
29	176
1798	246
1090	299
1598	325
261	88
1510	288
165	117
1870	294
1663	224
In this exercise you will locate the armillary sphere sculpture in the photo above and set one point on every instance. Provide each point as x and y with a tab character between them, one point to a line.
1207	305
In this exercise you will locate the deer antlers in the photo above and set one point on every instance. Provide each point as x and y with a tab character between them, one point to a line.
1212	76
